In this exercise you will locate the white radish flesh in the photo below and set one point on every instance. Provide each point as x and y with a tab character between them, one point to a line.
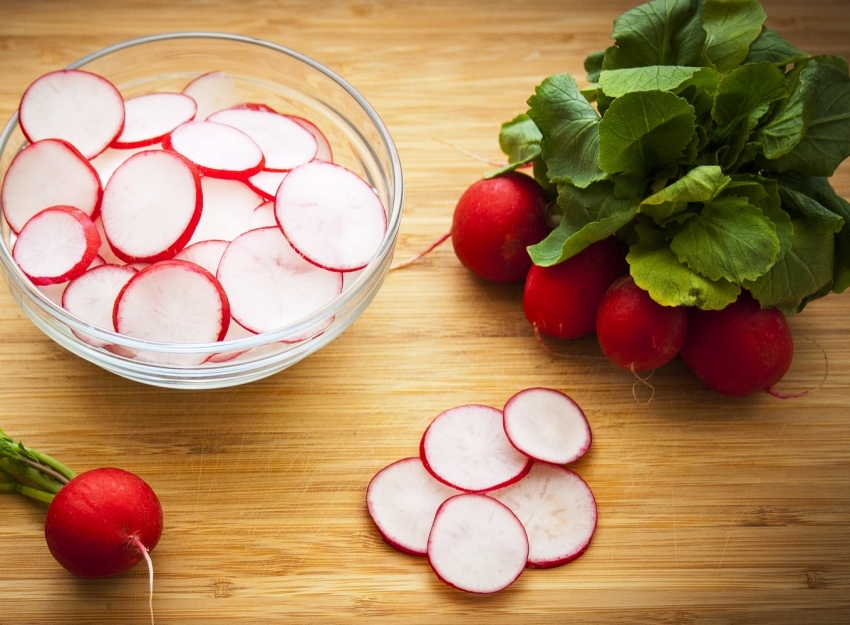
263	216
84	109
269	284
172	301
92	296
56	245
110	159
547	425
48	173
330	216
466	448
285	143
402	500
151	116
558	511
323	150
151	206
228	209
477	544
216	149
206	253
213	91
266	183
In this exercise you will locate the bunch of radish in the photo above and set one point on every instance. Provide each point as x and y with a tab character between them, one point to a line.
99	523
736	351
167	216
489	493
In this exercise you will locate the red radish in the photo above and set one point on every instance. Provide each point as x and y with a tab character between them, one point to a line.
151	116
151	206
84	109
635	332
213	91
92	296
284	143
547	425
477	544
56	245
48	173
323	151
263	216
172	301
269	285
739	350
206	253
228	209
402	500
562	300
330	216
495	220
98	520
216	149
466	448
266	183
558	511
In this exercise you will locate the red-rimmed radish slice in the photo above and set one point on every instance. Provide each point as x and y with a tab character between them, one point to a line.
172	301
266	183
234	331
105	252
558	511
255	106
402	500
263	216
466	448
207	253
547	425
98	260
269	284
92	296
54	292
151	206
110	159
285	144
331	216
212	92
323	150
84	109
48	173
56	245
151	116
216	149
477	544
228	209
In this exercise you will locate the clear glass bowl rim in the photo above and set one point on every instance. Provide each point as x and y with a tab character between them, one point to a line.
47	306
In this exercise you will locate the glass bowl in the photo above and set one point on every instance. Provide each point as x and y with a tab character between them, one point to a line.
288	82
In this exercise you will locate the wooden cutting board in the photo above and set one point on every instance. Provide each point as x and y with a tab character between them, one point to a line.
711	510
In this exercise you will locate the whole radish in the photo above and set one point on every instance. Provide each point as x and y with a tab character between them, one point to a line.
561	301
739	350
634	331
495	220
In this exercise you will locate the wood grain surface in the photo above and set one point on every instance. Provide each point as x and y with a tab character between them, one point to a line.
712	510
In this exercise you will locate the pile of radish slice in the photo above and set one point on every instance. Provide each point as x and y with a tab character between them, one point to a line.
489	495
166	216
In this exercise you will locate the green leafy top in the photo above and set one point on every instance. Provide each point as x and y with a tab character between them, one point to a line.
704	140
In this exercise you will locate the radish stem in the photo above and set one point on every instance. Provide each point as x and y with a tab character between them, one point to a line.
30	472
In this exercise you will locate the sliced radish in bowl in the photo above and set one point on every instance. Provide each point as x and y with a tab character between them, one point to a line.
151	116
92	296
228	209
216	149
213	91
323	150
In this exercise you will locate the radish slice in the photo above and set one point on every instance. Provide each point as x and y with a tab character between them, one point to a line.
558	511
56	245
84	109
48	173
284	143
213	91
172	301
402	500
207	254
263	216
266	183
330	216
149	117
547	425
466	448
228	209
216	149
323	150
110	159
269	284
92	296
477	544
151	206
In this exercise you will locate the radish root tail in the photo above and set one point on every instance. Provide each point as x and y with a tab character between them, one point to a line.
772	391
427	250
471	154
645	382
144	551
